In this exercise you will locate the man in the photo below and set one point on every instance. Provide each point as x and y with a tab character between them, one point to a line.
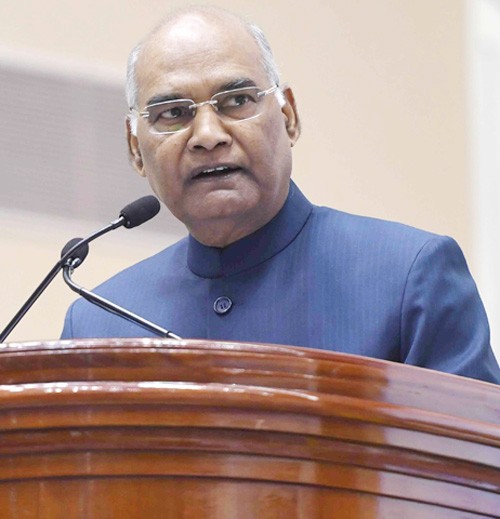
212	131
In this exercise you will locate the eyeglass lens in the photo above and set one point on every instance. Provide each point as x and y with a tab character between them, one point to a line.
175	116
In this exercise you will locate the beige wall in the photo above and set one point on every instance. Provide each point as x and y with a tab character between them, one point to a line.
380	86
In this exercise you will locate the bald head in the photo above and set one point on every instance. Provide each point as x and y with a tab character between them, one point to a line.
184	22
223	170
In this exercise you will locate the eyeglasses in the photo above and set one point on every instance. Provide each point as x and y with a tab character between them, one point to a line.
175	116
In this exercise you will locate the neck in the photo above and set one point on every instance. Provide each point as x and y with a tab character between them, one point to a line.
221	232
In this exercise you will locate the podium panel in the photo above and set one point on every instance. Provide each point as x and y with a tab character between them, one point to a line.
151	428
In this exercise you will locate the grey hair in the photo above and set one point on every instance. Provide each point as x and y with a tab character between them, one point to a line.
267	62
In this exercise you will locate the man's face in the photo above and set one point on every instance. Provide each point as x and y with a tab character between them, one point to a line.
194	58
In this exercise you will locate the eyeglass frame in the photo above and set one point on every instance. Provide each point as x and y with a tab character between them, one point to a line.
194	106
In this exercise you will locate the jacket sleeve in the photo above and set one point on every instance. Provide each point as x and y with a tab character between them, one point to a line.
67	332
443	321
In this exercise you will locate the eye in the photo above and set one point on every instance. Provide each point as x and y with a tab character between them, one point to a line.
170	112
174	112
238	100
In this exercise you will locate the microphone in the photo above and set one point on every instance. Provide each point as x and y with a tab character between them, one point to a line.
132	215
140	211
74	261
78	254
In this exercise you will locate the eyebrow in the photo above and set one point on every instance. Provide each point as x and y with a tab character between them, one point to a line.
230	85
237	83
162	98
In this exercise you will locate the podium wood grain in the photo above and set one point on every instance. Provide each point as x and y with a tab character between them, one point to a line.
144	428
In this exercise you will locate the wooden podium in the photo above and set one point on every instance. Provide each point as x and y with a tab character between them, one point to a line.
145	428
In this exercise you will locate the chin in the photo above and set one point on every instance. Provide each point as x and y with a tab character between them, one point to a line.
225	203
220	213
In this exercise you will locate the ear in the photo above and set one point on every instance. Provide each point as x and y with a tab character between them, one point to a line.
292	121
134	151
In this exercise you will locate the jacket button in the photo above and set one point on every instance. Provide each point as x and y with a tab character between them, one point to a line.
222	305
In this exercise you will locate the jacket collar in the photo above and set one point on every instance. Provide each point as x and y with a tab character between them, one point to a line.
250	251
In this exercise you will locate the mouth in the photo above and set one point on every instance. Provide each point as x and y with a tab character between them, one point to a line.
219	171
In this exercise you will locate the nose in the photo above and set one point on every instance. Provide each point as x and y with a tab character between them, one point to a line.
208	131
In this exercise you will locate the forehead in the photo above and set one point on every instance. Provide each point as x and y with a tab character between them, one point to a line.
196	54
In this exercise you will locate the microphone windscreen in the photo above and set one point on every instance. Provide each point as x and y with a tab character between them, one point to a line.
80	253
140	211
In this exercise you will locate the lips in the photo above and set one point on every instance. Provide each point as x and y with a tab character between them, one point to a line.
214	171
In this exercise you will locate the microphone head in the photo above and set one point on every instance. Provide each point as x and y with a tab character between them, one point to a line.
140	211
80	253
